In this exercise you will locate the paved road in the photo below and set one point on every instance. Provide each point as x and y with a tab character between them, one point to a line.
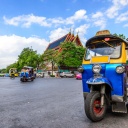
48	103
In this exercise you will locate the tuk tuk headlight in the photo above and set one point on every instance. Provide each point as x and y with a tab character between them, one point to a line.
96	68
120	69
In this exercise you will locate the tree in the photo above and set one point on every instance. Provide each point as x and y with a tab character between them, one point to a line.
28	57
3	70
71	55
14	65
120	35
49	56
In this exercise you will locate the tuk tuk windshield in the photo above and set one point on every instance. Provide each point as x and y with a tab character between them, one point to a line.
13	70
103	48
27	69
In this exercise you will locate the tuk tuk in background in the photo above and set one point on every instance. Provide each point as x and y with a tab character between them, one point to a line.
27	74
13	72
104	75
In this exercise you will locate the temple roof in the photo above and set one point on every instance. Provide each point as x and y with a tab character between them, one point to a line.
68	37
57	42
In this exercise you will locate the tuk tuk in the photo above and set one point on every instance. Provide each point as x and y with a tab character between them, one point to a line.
104	75
13	72
27	74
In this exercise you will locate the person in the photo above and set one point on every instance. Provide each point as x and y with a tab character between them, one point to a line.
27	70
57	75
12	74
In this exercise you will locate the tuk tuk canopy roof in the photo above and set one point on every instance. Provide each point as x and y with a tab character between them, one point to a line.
102	37
27	67
13	69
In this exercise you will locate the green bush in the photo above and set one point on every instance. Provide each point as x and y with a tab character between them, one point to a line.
52	75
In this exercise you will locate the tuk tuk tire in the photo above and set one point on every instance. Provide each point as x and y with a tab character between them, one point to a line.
24	79
21	80
64	76
94	113
12	76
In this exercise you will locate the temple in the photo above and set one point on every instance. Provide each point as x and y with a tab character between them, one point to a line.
67	38
55	45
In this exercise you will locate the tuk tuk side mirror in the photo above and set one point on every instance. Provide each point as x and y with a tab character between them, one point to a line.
80	69
126	48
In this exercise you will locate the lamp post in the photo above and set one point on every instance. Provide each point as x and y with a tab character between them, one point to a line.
31	56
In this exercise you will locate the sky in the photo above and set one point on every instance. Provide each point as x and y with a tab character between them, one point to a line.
36	23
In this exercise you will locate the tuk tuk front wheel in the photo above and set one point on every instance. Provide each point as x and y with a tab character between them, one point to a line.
93	108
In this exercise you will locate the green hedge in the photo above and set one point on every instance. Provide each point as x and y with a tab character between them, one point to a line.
52	75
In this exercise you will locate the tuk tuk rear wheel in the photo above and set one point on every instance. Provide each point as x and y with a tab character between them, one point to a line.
21	80
12	76
93	109
24	79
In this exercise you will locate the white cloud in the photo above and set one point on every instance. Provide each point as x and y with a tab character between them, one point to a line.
126	25
79	15
14	21
113	11
122	17
97	15
27	20
7	61
11	47
100	23
98	20
82	30
57	33
120	2
58	20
